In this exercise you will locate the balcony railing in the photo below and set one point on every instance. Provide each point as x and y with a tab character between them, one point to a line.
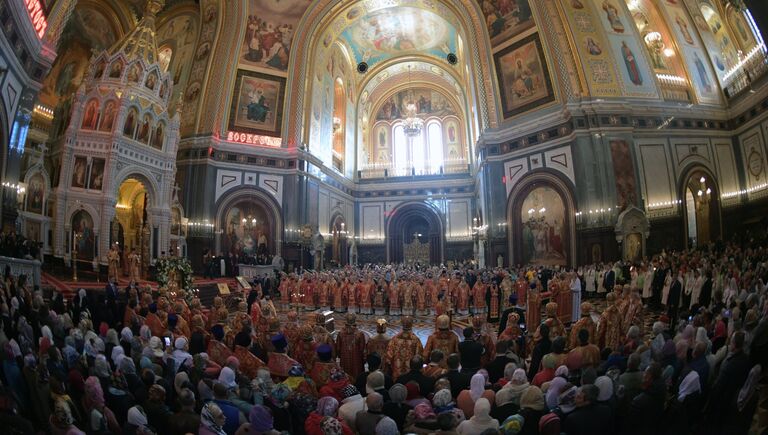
740	78
389	170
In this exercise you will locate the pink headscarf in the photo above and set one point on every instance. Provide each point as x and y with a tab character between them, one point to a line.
327	406
94	395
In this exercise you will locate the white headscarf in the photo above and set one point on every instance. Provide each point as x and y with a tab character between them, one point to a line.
477	386
137	417
689	385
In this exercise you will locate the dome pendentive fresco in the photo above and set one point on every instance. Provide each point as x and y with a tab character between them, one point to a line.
317	112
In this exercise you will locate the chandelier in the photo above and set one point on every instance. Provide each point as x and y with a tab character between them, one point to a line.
413	123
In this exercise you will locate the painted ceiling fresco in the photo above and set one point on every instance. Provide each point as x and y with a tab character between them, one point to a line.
391	32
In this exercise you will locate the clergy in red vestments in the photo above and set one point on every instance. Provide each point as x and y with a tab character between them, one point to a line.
350	345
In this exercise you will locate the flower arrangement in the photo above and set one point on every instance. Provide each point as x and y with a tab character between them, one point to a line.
173	272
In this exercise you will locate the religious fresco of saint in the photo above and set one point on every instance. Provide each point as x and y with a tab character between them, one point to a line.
506	18
258	103
523	76
247	230
395	31
629	56
35	194
542	216
269	32
428	102
82	230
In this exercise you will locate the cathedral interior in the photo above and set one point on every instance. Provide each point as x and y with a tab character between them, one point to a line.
323	133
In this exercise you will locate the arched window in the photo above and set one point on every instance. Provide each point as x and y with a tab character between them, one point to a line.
418	152
401	149
435	138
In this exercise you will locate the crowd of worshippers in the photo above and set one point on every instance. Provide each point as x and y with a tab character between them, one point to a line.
154	364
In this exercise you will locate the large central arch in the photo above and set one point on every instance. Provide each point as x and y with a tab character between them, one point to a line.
315	21
401	218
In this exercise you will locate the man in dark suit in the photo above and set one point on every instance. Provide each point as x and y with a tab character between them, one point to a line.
673	299
459	381
470	351
658	284
609	280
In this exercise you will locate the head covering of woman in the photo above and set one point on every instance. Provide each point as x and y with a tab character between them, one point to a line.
126	334
137	417
533	398
477	386
413	391
101	367
208	417
688	333
398	393
553	392
227	377
387	426
512	425
112	337
482	411
45	331
519	377
562	371
442	400
605	385
279	395
261	419
205	391
567	400
331	426
423	411
94	395
62	415
127	366
689	385
179	380
327	406
117	352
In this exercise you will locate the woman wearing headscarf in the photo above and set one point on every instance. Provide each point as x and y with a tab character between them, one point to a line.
480	420
513	391
387	426
212	420
260	422
126	340
556	386
467	398
136	422
396	408
326	407
442	402
100	419
532	408
421	420
61	421
685	409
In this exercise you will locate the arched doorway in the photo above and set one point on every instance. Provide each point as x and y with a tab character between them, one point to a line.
415	235
339	241
701	207
540	221
131	225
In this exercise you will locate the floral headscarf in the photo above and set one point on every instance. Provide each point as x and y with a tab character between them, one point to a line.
62	415
208	420
327	406
331	426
